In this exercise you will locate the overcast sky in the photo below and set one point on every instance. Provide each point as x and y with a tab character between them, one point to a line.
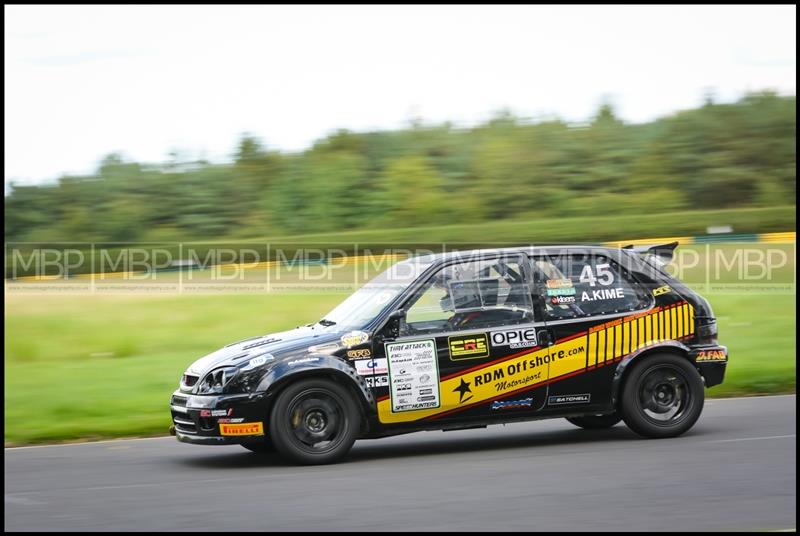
84	81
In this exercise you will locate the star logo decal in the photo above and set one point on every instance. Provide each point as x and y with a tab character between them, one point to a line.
462	390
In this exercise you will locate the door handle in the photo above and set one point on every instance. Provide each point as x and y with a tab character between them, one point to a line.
545	337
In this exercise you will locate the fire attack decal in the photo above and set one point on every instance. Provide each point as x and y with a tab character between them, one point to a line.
414	376
602	345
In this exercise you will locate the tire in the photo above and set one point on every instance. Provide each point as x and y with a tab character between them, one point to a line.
595	422
314	421
663	396
261	446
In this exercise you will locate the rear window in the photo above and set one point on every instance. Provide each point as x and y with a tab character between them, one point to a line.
583	285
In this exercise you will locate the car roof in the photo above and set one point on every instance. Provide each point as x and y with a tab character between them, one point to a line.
528	250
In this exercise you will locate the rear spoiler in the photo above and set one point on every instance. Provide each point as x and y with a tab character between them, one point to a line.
659	255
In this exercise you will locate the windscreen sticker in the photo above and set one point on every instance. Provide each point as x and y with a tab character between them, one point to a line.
413	375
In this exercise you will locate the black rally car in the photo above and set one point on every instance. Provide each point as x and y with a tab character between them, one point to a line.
464	340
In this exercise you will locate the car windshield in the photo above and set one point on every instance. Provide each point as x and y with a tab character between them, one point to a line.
367	302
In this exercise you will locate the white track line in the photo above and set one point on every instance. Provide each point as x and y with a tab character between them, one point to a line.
750	438
747	397
76	444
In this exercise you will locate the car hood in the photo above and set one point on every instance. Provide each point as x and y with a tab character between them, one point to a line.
280	345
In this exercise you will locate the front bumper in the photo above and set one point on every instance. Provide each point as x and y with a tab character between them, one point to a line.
198	419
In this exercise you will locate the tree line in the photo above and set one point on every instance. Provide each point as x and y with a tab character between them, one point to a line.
715	156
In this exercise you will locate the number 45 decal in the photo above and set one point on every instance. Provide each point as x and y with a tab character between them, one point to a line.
604	275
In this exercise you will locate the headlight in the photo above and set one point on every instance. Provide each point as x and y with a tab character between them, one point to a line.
215	381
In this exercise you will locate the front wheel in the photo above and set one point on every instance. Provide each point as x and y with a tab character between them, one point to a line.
662	397
595	422
314	421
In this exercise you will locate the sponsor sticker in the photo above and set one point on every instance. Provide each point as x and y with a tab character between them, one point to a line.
413	364
354	338
324	348
371	366
559	283
377	381
304	360
558	300
661	290
512	404
243	429
603	294
561	291
515	338
569	399
359	354
258	361
228	421
468	347
711	355
216	412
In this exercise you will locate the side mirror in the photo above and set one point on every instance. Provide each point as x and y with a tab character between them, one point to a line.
394	325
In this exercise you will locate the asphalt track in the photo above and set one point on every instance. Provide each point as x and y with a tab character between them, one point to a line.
735	470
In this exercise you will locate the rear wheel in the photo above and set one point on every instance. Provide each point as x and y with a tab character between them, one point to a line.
663	396
314	421
595	422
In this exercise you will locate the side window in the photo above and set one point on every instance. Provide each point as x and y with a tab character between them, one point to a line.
575	286
471	295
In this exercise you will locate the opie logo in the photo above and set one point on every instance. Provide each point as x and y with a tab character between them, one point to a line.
569	399
468	347
515	338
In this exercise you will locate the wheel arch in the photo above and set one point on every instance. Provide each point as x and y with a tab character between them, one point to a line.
325	367
627	364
